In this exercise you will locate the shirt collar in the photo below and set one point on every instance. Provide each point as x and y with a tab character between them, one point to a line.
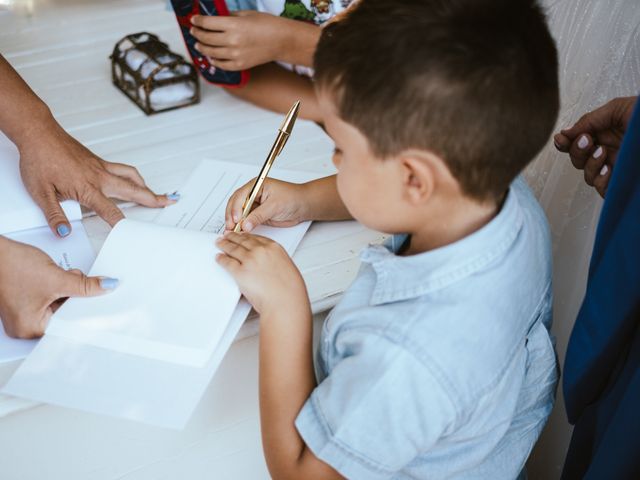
401	278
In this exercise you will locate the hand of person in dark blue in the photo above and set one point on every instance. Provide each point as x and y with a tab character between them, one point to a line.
594	140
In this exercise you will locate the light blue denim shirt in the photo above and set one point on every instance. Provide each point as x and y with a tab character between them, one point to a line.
440	365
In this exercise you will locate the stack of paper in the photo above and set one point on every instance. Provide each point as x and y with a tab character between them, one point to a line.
148	350
22	220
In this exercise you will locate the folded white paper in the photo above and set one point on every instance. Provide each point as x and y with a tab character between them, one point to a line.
173	302
78	374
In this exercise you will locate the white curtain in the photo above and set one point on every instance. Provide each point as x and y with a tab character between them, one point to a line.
599	55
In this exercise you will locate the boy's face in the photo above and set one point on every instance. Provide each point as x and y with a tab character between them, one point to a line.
371	188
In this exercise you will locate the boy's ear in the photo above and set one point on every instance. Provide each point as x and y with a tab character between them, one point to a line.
420	171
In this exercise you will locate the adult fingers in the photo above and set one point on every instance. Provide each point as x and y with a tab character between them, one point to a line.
594	165
562	142
104	208
601	118
57	220
125	189
126	171
601	181
74	285
581	150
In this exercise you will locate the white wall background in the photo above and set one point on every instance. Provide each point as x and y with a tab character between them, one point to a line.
599	47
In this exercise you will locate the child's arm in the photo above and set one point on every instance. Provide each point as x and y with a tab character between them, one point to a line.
283	204
252	40
270	281
248	38
273	87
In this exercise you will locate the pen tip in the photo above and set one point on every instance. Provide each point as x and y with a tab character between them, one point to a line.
287	123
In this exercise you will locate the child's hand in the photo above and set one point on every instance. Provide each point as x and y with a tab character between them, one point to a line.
279	204
264	272
243	40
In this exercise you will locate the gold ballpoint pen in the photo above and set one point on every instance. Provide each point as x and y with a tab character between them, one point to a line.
283	135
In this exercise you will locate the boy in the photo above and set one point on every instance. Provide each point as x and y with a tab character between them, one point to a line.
437	362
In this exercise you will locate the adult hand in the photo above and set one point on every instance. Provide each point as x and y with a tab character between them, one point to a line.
55	167
32	287
243	40
279	204
265	273
594	140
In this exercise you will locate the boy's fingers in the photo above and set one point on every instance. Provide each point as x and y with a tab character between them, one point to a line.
246	241
225	64
242	13
581	150
594	165
231	248
233	212
230	264
258	216
217	54
212	39
208	22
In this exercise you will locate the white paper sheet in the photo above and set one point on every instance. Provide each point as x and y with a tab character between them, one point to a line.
92	379
74	251
173	301
205	195
17	210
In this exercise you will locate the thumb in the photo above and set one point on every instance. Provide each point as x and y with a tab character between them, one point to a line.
261	214
54	214
74	284
602	118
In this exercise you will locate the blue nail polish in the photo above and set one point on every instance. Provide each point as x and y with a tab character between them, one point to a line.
175	196
109	283
63	230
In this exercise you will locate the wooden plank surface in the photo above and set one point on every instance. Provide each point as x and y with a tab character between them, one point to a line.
61	48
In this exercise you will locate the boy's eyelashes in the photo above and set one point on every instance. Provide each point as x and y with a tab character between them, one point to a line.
337	151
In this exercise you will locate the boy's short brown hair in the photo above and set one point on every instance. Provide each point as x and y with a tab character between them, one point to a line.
474	81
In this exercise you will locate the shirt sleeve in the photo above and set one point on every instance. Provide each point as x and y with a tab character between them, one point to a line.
377	410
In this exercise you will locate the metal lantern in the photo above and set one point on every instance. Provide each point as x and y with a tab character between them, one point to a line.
151	75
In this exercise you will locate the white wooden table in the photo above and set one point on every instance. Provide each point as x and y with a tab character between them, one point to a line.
61	48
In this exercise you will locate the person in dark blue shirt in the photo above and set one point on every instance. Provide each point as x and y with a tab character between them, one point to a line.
602	367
